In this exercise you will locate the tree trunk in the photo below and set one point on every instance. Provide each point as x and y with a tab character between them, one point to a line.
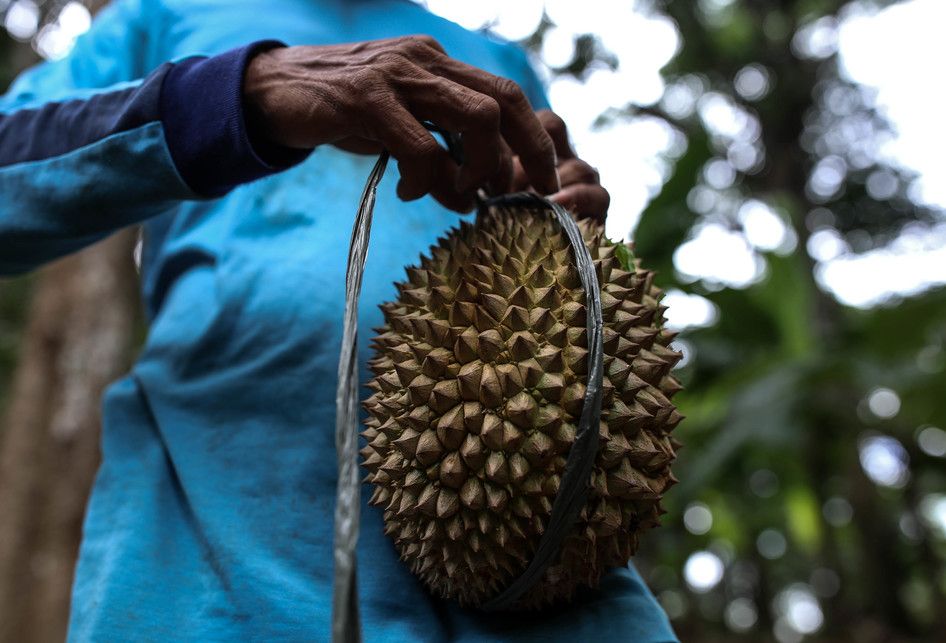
78	338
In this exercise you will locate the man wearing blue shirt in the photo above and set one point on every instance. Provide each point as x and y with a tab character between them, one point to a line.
211	515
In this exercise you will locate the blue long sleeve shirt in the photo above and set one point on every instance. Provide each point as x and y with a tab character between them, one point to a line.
211	515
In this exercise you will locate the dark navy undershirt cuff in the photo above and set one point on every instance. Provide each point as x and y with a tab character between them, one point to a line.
204	125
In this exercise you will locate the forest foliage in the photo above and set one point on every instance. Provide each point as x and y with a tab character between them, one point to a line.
811	497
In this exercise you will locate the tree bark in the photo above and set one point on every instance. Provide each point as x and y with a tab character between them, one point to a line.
78	338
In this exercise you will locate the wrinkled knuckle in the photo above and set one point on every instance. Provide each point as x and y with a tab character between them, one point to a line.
412	45
363	75
423	148
422	43
418	48
405	42
393	59
368	82
484	111
508	91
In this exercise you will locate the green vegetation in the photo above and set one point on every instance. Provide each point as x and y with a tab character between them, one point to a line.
811	497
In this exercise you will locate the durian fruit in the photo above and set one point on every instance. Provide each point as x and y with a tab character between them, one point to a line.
479	382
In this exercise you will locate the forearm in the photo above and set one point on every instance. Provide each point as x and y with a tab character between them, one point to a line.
71	172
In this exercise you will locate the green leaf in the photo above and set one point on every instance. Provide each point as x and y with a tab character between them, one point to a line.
624	256
804	520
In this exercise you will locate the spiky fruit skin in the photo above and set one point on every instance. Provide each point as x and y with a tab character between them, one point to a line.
478	387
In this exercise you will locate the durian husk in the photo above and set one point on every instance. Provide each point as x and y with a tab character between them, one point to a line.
479	380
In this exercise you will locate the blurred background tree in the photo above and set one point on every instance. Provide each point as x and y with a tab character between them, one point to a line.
812	500
65	333
813	474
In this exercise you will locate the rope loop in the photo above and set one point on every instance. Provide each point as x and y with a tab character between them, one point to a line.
573	489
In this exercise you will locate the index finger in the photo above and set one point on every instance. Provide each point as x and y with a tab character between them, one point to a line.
519	125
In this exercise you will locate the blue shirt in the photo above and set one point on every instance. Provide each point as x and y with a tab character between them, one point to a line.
211	515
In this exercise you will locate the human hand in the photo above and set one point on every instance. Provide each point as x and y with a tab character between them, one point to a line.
581	190
368	96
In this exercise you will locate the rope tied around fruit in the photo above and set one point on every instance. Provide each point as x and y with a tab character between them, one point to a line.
573	489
